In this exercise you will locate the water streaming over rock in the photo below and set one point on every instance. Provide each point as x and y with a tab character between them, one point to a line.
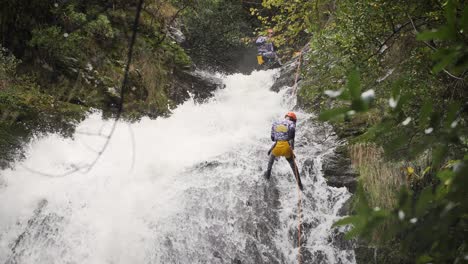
183	189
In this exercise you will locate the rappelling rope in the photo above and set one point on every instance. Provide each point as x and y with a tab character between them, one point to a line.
299	195
298	71
299	211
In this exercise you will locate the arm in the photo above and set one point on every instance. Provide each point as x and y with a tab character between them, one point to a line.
292	135
272	132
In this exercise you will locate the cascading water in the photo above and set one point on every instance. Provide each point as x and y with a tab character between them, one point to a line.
183	189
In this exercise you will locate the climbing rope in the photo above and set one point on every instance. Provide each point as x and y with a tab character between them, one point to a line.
299	225
299	192
299	211
298	70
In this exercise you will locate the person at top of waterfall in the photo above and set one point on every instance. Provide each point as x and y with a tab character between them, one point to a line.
266	48
283	133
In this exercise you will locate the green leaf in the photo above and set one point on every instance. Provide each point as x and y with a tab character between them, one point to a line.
359	105
439	155
354	84
442	33
333	113
464	20
356	231
424	201
445	57
452	114
397	142
404	98
362	205
450	13
445	176
346	221
424	259
396	88
425	113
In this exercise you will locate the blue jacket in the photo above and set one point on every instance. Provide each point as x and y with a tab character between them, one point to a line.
264	45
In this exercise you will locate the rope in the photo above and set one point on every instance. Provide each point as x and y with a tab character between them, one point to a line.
299	211
299	225
299	195
297	74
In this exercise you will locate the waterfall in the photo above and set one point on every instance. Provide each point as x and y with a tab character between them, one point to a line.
184	189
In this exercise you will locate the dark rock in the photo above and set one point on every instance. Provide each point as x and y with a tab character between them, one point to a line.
342	181
388	254
195	83
271	258
42	228
338	171
346	208
236	261
365	254
208	164
175	33
308	169
216	254
319	257
252	251
286	76
338	239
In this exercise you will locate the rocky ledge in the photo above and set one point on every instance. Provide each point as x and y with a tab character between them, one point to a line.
192	83
338	171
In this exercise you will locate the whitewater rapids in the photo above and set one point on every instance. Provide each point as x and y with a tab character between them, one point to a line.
183	189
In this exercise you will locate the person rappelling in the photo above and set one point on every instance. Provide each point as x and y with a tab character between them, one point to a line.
266	55
283	133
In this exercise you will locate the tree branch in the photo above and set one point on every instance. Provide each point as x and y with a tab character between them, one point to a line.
435	49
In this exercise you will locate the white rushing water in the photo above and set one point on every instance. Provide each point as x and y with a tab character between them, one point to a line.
183	189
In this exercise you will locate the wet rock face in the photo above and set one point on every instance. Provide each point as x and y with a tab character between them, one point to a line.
338	171
186	83
39	232
286	76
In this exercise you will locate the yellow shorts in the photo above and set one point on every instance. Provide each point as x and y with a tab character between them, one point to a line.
282	148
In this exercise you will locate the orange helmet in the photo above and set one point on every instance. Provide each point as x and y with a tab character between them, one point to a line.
292	116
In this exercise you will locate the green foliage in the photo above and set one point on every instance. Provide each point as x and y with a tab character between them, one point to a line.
365	218
63	58
292	21
405	63
101	28
215	31
454	36
432	223
59	48
8	64
26	111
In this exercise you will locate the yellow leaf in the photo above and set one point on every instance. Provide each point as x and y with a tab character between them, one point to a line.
410	170
426	170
